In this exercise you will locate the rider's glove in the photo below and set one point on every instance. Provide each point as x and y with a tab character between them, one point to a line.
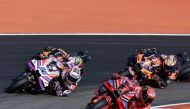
66	92
155	77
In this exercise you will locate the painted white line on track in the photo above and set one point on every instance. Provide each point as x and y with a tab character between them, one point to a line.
168	105
104	34
88	43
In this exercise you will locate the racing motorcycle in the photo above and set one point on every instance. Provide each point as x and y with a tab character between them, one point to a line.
39	73
108	96
183	62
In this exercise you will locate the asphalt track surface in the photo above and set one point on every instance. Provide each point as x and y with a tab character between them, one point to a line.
108	54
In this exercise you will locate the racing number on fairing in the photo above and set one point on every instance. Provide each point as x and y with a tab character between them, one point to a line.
76	70
75	73
43	70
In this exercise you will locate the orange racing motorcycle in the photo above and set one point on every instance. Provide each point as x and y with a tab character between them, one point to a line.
182	68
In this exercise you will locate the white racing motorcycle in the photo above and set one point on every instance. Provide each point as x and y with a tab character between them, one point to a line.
39	73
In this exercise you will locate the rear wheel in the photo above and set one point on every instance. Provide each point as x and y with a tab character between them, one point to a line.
18	84
184	74
98	105
186	65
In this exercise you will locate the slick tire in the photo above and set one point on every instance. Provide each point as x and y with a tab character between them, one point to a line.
184	66
184	74
17	84
97	105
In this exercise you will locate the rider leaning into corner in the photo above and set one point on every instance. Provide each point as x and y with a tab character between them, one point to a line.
151	63
67	82
144	95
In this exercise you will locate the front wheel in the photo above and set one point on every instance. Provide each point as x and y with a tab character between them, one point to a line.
18	84
97	105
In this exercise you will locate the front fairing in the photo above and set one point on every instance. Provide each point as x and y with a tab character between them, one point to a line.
110	88
44	70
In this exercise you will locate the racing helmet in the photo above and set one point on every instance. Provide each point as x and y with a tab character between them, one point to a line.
48	48
155	60
76	60
148	94
170	63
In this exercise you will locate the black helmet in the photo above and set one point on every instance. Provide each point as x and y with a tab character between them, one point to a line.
48	48
84	55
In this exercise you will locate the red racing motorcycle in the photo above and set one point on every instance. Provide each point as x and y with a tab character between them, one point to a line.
109	96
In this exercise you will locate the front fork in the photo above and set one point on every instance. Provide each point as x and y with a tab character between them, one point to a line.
108	99
30	77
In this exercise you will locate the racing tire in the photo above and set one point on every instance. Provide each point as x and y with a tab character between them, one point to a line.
184	74
17	84
184	66
99	105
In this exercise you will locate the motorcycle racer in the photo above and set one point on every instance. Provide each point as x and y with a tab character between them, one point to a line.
143	99
132	95
159	67
68	80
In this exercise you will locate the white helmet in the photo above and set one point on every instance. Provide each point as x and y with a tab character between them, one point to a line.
170	62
